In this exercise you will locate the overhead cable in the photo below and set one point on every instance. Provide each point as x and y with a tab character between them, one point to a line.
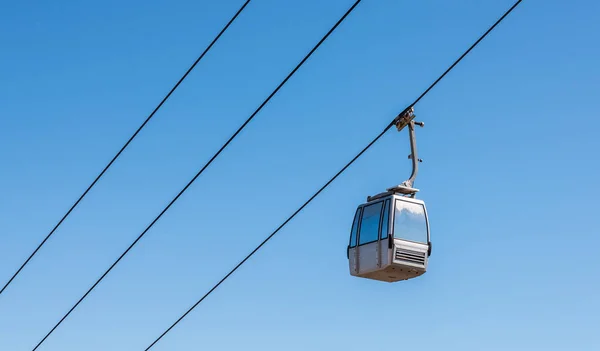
199	172
64	217
331	180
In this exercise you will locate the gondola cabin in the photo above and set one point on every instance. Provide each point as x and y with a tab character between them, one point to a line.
389	240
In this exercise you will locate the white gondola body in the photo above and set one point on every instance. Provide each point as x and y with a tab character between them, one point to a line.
389	240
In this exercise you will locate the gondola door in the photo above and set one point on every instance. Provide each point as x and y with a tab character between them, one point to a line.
369	239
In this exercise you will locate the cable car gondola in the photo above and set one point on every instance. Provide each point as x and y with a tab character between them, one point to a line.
389	239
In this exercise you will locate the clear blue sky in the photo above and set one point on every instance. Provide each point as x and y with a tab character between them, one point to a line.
510	173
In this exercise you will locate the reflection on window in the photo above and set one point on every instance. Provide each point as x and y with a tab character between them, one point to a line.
369	226
354	228
385	221
409	222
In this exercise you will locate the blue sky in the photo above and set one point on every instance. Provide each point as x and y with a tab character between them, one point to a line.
509	174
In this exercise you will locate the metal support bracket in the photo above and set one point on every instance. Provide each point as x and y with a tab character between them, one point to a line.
407	120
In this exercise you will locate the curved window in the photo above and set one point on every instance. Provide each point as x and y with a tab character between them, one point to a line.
369	225
410	222
354	232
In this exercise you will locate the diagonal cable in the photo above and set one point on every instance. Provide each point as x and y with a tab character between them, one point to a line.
199	172
122	148
331	180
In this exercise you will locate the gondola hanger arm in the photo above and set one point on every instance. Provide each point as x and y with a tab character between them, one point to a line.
406	119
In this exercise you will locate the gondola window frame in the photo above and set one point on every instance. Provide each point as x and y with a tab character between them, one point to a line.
360	229
394	234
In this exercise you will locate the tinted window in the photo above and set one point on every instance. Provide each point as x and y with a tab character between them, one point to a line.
369	225
385	220
409	222
354	229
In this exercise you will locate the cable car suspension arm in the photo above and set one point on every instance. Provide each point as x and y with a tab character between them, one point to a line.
406	119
